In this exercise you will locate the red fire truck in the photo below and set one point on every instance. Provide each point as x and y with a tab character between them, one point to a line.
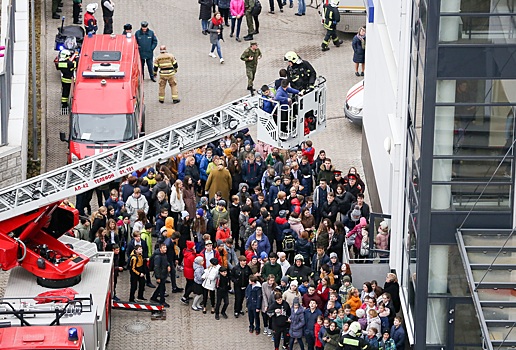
107	106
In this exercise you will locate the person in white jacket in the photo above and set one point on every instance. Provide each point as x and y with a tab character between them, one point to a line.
136	202
177	204
209	283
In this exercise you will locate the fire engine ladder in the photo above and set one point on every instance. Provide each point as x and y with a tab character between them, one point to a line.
117	162
19	309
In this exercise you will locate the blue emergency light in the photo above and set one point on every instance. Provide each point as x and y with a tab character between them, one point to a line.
73	334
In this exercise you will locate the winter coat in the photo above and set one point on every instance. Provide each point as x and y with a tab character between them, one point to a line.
222	234
216	255
398	335
307	298
134	204
290	295
382	241
317	262
219	180
243	223
267	296
263	244
269	269
188	260
205	9
147	42
210	277
223	4
160	266
217	216
333	343
177	203
273	193
189	200
304	247
355	304
232	257
160	186
358	50
325	174
240	275
99	221
237	8
376	323
253	296
330	210
279	314
296	226
393	288
297	322
281	224
198	272
251	173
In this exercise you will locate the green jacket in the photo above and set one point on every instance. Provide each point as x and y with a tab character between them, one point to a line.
269	269
250	53
248	4
146	237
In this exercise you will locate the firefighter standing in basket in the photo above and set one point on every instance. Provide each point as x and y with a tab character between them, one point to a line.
167	66
331	18
66	65
300	73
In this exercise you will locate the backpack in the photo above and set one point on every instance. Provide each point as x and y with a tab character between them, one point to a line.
151	260
289	243
257	8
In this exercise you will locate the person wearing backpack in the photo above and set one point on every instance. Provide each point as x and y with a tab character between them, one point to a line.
289	244
161	269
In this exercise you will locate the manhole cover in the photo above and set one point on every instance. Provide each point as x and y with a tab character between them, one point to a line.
137	327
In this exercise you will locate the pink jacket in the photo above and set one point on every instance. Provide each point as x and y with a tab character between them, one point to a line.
237	8
382	241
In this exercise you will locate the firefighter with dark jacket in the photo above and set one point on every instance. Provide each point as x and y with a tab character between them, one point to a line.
90	22
331	18
353	339
66	65
161	271
300	73
240	276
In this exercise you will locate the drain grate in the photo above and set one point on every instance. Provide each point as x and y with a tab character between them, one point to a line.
137	327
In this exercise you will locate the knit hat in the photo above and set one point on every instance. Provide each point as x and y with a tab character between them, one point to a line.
360	313
258	155
200	212
263	255
384	225
199	260
219	242
247	142
251	220
355	214
294	283
277	178
363	221
295	301
284	279
333	255
222	203
346	279
184	214
283	213
254	257
214	261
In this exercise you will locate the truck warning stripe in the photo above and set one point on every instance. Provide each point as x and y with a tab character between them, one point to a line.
133	306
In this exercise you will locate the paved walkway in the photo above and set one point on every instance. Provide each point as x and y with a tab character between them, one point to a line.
204	84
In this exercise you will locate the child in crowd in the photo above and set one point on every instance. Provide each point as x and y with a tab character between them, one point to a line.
209	284
325	327
331	337
223	232
197	287
317	329
253	295
222	293
297	324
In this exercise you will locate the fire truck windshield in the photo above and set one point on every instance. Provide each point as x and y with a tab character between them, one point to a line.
102	127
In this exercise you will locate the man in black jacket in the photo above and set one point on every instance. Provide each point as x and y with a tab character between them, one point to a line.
240	276
279	311
330	208
161	271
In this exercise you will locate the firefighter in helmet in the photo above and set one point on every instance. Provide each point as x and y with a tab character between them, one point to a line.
90	22
331	18
300	73
66	65
353	340
167	66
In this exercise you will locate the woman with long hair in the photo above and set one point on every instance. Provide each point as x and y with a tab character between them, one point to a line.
100	240
323	233
215	28
177	204
235	169
338	240
112	235
141	220
189	195
308	221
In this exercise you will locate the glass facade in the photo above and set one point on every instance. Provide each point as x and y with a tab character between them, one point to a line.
461	106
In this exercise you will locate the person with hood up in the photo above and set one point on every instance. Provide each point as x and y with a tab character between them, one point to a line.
198	280
189	256
167	230
297	324
382	240
294	222
243	193
253	295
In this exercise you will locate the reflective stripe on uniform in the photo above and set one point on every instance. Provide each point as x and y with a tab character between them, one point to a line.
66	80
352	342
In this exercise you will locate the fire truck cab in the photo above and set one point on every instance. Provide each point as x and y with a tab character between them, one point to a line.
107	106
42	338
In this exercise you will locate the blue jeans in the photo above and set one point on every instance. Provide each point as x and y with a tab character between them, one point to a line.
301	6
217	46
238	24
254	320
204	25
299	340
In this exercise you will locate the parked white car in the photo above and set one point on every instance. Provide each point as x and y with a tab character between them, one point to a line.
354	103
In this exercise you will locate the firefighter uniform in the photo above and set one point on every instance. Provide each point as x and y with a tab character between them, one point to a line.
90	22
250	56
167	66
331	18
301	73
67	67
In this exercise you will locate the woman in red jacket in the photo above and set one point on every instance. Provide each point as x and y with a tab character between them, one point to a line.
189	255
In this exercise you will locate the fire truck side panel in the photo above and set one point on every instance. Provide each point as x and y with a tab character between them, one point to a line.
96	280
43	338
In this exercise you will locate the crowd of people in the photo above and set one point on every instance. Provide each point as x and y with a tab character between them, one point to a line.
269	226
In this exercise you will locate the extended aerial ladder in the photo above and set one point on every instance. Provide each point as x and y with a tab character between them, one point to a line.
32	219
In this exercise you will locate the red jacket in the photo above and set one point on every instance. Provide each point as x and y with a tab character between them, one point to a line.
309	153
223	234
216	255
317	328
189	255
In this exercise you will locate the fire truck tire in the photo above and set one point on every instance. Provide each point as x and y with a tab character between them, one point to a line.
55	284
